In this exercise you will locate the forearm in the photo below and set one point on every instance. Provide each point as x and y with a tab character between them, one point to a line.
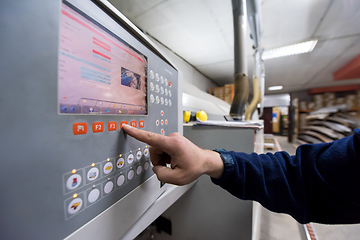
319	184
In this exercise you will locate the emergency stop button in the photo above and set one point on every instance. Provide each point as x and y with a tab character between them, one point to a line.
80	128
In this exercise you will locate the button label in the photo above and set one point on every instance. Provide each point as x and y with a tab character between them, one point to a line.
98	127
133	124
80	128
112	126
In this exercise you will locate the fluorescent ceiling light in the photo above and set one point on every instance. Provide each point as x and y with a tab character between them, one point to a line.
273	88
293	49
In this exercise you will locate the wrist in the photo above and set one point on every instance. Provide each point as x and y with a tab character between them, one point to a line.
213	164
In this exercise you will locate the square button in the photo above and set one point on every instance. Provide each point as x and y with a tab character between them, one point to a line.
141	124
122	123
112	126
98	127
80	128
133	124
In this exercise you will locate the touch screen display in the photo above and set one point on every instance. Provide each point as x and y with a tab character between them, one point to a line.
99	73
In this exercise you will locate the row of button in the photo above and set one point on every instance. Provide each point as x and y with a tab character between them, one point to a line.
159	79
161	90
82	127
74	179
78	201
161	100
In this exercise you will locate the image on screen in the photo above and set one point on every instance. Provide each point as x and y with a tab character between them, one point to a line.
99	73
130	79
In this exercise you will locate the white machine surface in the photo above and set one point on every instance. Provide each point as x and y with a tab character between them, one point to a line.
75	71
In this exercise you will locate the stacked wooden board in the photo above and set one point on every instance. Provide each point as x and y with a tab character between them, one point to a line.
327	127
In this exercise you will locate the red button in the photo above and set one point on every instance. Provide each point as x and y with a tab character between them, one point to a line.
133	124
80	128
162	122
98	127
122	123
169	84
141	124
112	126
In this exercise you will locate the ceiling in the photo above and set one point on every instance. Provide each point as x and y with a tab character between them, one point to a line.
201	32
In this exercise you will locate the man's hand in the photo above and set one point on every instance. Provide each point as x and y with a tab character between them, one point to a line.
188	161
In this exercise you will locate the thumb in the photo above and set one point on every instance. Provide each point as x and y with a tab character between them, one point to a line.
166	175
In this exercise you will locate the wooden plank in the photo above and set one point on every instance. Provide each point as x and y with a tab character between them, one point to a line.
321	137
308	139
335	126
323	130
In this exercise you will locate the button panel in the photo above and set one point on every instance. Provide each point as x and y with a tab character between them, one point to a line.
114	173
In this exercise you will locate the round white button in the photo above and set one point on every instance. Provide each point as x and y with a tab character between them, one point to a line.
166	92
157	99
92	174
73	181
146	166
93	195
120	162
75	205
130	158
166	101
138	155
157	88
131	174
108	187
120	181
170	103
152	87
170	93
146	152
157	77
162	101
108	168
166	82
161	80
138	170
151	74
162	90
152	99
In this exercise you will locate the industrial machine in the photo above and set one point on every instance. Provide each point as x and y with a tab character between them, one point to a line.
75	72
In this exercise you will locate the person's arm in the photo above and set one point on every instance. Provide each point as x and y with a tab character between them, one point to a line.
320	183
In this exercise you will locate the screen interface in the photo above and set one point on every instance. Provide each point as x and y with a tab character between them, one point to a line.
99	73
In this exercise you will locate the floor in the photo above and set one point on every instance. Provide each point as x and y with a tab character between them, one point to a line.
276	226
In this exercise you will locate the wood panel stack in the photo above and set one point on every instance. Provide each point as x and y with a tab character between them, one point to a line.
225	93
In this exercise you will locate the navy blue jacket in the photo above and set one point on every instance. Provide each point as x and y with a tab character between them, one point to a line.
321	183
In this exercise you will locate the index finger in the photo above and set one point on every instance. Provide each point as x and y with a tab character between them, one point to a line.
153	139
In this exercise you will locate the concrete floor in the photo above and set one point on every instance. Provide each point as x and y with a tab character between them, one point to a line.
275	226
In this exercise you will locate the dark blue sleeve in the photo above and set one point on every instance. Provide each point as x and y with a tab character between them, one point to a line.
321	183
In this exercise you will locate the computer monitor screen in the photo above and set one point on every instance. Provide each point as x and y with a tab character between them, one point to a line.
99	73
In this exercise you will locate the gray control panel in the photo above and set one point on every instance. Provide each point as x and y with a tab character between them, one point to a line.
75	74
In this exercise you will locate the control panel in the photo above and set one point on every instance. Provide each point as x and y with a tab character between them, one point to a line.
88	72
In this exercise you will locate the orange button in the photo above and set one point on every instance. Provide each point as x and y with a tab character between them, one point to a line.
133	124
98	127
80	128
141	124
112	126
122	123
169	84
